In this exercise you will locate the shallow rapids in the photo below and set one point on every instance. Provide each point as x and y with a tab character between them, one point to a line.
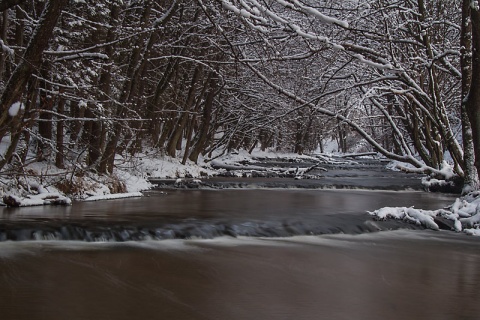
206	214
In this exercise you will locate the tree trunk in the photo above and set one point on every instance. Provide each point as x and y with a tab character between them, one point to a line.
7	4
472	103
93	138
3	35
471	181
45	127
59	157
207	116
31	61
77	111
129	88
178	130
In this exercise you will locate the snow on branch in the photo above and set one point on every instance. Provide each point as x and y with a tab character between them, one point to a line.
372	64
15	108
318	14
249	14
84	55
6	48
350	122
166	16
474	5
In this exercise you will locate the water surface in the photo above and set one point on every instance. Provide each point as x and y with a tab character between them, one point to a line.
235	254
387	275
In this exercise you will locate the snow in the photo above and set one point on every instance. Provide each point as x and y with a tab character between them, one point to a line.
429	182
321	16
6	48
373	64
46	184
40	199
15	108
115	196
420	217
464	212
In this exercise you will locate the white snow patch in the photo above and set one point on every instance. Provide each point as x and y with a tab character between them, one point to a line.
15	109
115	196
40	199
417	216
472	232
464	212
429	182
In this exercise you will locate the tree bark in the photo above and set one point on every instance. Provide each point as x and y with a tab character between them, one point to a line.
45	127
177	133
472	103
7	4
3	34
207	118
471	181
60	136
30	62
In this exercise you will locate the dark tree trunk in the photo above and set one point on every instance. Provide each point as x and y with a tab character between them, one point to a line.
59	157
7	4
470	172
473	98
207	118
3	35
129	90
45	127
177	133
76	112
31	61
93	137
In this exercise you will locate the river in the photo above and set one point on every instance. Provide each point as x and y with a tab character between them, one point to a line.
235	254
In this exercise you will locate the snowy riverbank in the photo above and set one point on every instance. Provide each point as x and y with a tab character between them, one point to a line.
42	181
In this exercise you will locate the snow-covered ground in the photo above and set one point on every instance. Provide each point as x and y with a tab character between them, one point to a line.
44	183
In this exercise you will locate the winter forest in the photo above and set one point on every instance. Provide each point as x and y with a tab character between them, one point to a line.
85	82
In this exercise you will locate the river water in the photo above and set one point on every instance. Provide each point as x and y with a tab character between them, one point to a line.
235	254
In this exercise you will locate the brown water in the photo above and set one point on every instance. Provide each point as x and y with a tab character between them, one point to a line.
389	275
210	213
403	274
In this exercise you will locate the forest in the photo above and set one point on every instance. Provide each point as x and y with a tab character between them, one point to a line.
84	82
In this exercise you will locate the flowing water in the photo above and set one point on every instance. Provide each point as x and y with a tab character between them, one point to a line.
235	254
